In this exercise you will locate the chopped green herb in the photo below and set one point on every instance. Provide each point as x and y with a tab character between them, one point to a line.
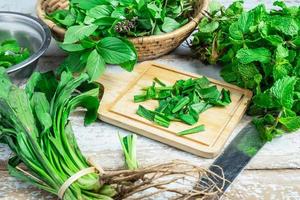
182	102
159	82
147	114
196	129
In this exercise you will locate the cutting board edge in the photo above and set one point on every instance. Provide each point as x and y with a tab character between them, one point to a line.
206	152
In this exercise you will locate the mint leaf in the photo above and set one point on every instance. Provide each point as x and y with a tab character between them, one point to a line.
290	123
265	100
235	31
281	52
208	27
246	56
285	25
245	21
283	91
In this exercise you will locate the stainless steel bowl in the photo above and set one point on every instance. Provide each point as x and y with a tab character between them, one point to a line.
31	33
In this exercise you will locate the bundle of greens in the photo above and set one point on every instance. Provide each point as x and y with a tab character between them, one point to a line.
96	30
183	101
11	53
34	123
259	50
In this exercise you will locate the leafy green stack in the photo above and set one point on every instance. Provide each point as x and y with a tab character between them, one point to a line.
183	101
96	30
11	53
259	50
34	123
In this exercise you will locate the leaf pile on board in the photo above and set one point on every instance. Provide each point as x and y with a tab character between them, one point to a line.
11	53
97	30
260	50
183	102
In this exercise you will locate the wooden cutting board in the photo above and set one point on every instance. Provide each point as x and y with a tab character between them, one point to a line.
117	108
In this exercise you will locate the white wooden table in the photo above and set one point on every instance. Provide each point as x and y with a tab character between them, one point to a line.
274	173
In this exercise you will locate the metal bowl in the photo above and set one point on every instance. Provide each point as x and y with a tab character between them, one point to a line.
30	33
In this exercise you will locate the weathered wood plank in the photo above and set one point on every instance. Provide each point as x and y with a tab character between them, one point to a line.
250	185
266	184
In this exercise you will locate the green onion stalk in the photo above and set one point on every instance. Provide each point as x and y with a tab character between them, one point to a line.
34	124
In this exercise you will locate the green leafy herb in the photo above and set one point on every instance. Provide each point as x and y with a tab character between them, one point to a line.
259	50
183	101
97	30
11	53
196	129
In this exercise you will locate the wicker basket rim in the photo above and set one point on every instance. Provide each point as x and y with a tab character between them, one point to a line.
190	25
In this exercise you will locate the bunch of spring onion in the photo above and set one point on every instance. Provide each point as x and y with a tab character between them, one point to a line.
34	123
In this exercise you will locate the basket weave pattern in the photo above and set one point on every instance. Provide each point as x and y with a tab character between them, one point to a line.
148	47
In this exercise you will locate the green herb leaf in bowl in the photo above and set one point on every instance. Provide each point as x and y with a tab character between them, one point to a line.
11	53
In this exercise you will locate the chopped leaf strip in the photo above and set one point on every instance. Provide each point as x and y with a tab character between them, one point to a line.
194	130
129	149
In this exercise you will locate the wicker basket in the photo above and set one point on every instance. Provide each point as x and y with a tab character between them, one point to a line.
148	47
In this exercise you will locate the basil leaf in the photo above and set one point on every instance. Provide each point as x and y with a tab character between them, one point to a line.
115	51
170	25
79	32
95	66
100	11
71	47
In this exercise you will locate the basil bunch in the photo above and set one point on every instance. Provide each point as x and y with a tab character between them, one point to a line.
260	50
96	30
